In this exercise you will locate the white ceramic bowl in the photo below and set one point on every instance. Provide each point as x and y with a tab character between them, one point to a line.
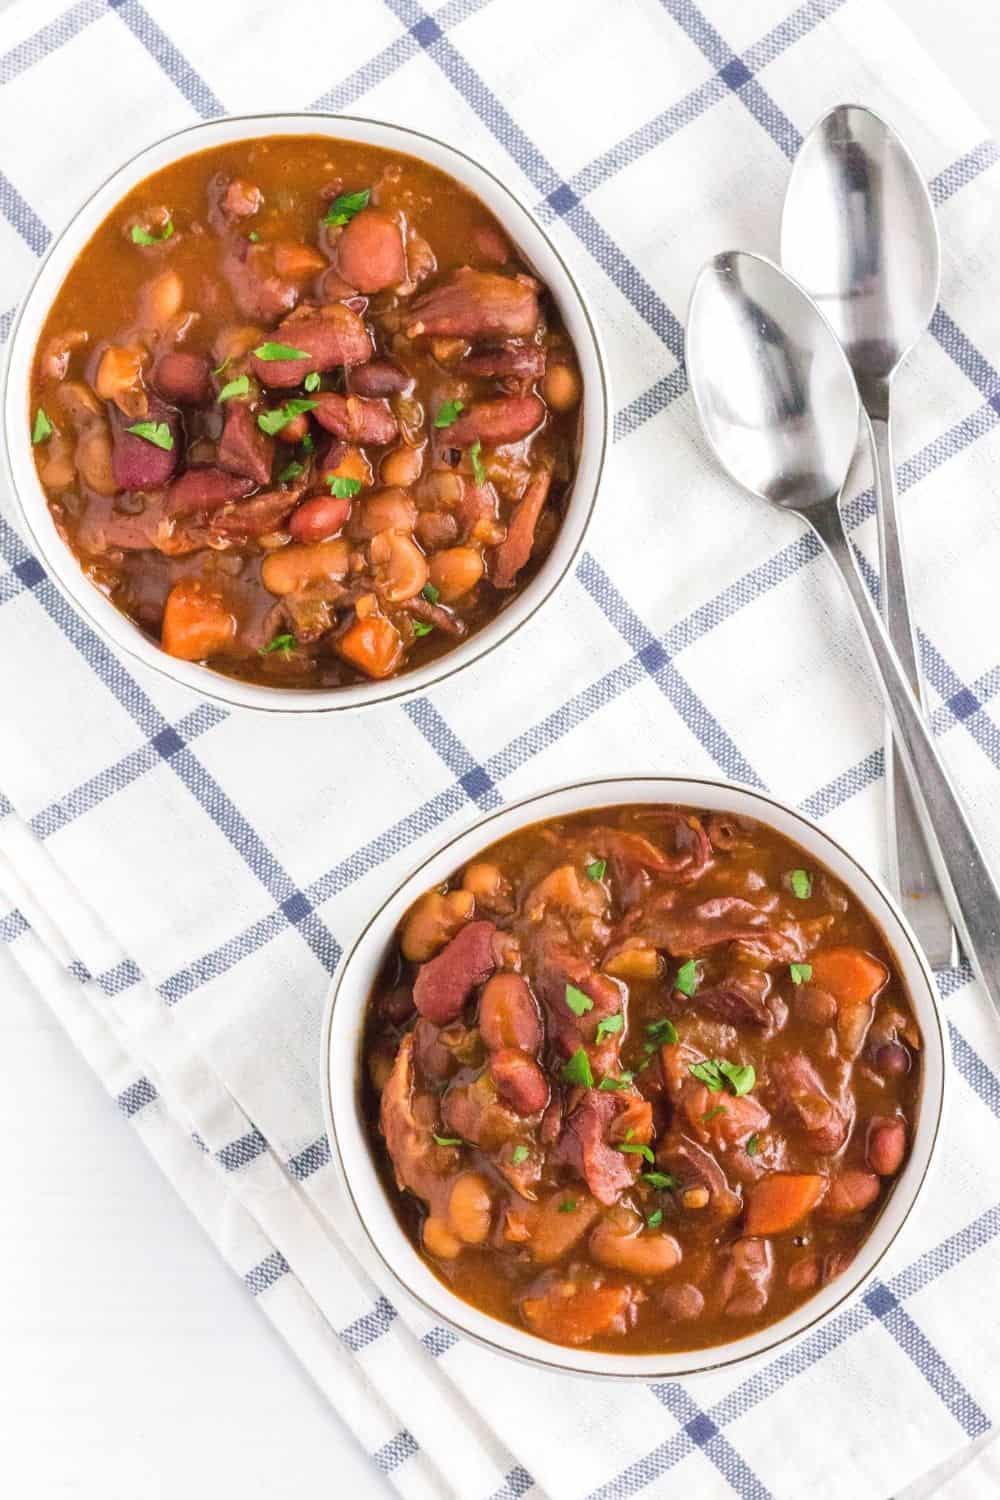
535	247
341	1073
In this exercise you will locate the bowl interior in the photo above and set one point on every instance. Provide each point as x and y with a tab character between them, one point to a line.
341	1076
531	241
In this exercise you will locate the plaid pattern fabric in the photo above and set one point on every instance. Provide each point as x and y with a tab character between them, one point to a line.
178	882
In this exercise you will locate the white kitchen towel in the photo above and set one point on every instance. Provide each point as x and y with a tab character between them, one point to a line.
179	883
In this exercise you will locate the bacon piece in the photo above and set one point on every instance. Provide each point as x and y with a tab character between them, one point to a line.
746	1278
474	305
379	377
446	982
136	463
328	336
256	517
515	550
584	1146
258	291
800	1095
244	448
205	489
505	362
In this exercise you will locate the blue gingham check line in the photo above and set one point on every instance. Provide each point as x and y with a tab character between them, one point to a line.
427	32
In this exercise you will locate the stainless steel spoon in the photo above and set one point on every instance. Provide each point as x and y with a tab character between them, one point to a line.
858	232
779	406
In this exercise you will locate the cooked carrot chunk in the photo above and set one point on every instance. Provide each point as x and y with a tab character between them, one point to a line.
849	974
781	1200
196	621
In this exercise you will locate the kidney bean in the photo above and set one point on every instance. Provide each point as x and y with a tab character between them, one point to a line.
850	1192
519	1080
681	1302
379	377
508	1014
892	1060
433	920
320	517
885	1145
370	252
469	1208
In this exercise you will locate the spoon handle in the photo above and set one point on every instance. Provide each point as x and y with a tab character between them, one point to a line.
911	867
961	865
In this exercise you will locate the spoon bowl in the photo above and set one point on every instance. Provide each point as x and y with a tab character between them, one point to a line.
772	385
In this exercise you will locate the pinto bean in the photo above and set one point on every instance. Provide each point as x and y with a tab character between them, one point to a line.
296	260
519	1080
504	420
435	529
439	1240
403	466
299	566
486	882
160	299
619	1243
814	1005
318	518
370	253
558	1228
119	379
235	340
850	1192
455	571
509	1015
885	1144
384	510
197	623
432	921
561	386
470	1208
400	566
372	644
94	459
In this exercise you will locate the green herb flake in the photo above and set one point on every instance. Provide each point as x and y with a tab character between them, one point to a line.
157	433
578	1002
578	1070
343	209
342	488
662	1181
567	1206
142	236
741	1078
800	884
311	381
448	1140
801	973
272	422
707	1072
421	627
253	236
282	643
616	1085
518	1155
478	471
597	869
610	1026
447	412
662	1033
238	387
430	593
307	445
270	353
632	1148
688	978
753	1144
655	1219
42	429
290	471
219	368
720	1109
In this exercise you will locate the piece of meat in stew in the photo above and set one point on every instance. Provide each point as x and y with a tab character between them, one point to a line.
640	1078
303	413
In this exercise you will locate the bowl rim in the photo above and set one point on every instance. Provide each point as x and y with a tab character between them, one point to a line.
115	628
444	1305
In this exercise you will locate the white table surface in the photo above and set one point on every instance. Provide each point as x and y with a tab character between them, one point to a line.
104	1273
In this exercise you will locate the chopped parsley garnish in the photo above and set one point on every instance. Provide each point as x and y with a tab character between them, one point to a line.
801	973
238	387
662	1033
616	1085
478	472
311	381
422	627
290	471
448	1140
42	429
270	352
610	1026
342	488
597	869
283	643
219	368
633	1148
655	1219
518	1155
687	978
578	1070
430	593
142	236
710	1114
447	412
662	1181
567	1206
343	209
800	884
578	1002
753	1144
307	445
716	1073
253	236
272	422
157	433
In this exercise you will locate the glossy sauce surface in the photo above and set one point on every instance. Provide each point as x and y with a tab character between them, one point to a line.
640	1079
426	461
